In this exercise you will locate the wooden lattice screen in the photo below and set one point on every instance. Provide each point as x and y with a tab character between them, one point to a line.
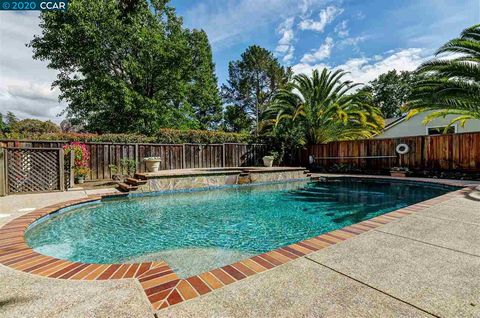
34	170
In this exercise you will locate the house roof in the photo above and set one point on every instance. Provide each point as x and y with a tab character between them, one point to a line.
390	122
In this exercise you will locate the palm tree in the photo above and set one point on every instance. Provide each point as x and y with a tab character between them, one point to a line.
323	106
451	86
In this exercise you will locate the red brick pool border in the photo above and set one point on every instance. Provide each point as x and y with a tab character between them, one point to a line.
162	286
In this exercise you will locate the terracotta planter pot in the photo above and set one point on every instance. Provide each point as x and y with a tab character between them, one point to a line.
152	165
268	161
399	174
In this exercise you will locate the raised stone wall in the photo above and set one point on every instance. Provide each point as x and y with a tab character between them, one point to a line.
276	176
202	181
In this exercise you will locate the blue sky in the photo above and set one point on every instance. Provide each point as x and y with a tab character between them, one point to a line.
354	34
364	37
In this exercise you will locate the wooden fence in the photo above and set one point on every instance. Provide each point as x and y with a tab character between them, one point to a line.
459	152
174	156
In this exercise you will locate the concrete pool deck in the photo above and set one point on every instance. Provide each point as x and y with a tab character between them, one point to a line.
425	264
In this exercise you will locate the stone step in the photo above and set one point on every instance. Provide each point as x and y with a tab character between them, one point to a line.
244	178
140	176
243	181
135	182
127	187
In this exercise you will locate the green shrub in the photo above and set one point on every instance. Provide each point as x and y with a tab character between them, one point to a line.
128	167
34	126
166	136
173	136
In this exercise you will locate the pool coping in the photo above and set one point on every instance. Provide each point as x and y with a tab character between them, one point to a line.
161	285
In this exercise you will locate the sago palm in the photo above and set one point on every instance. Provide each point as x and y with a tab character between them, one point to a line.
325	108
451	86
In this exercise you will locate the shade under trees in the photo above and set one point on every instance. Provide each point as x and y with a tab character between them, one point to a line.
129	66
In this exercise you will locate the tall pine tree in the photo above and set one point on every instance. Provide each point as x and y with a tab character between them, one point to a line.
203	94
253	81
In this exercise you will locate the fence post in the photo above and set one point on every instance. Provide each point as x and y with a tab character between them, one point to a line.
137	162
61	168
3	179
223	155
70	169
184	165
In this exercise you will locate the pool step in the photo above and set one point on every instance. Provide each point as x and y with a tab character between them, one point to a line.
244	178
135	182
127	187
307	173
140	176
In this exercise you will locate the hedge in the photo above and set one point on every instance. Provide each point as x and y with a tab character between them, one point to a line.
165	136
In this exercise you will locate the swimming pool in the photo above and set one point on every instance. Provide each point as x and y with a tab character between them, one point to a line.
197	231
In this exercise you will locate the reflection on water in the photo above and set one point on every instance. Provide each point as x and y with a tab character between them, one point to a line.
220	225
187	262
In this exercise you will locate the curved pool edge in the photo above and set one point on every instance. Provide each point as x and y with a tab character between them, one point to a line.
162	286
17	255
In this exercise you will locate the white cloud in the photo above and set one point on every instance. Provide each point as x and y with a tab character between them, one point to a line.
354	41
326	16
320	54
305	7
342	29
25	84
285	46
363	69
228	22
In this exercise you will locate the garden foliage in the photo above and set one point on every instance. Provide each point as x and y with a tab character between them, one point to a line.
166	136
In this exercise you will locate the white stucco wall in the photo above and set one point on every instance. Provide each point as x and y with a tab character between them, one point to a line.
415	127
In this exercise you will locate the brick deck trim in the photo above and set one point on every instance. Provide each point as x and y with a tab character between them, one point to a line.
161	285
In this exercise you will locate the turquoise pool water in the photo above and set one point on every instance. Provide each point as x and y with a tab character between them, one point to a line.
197	231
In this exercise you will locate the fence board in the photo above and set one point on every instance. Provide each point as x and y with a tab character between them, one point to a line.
174	156
3	177
459	152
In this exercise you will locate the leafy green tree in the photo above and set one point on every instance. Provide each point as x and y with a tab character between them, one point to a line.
11	119
236	119
322	107
391	90
129	66
203	94
34	126
3	125
7	122
253	81
286	137
451	86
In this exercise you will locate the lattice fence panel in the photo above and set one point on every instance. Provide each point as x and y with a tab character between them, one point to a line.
33	170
